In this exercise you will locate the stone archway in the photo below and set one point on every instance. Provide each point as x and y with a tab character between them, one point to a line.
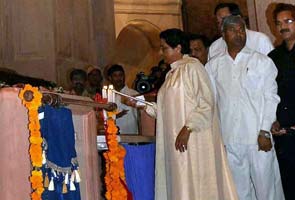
137	48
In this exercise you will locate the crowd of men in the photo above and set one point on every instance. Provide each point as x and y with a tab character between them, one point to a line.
253	86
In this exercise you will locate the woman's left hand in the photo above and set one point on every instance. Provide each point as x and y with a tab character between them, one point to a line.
182	139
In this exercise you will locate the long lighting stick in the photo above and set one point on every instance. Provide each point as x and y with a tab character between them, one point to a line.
134	98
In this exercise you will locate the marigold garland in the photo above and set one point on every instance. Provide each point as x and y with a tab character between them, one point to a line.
115	173
35	138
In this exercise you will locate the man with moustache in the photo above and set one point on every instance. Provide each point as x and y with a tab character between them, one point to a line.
246	96
283	129
78	79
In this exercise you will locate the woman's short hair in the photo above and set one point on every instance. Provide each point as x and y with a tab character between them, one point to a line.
174	37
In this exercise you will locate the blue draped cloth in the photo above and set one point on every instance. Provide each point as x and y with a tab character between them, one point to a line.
58	130
139	166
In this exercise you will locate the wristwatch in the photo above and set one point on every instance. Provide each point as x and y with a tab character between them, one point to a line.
265	134
188	129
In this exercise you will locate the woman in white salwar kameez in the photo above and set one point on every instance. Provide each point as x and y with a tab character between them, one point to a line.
190	159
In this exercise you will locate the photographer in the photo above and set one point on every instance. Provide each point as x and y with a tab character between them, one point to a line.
144	84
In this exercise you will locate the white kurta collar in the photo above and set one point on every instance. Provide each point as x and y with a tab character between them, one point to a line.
175	64
245	50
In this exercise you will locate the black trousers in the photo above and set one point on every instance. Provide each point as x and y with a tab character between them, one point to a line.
285	148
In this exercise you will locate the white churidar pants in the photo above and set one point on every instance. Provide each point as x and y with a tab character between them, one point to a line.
255	173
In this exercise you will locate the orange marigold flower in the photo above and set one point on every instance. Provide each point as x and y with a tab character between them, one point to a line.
36	184
114	163
113	158
35	196
35	150
35	133
108	195
40	190
35	139
37	164
34	126
33	115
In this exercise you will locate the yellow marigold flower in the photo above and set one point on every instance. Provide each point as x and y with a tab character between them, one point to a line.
37	173
36	140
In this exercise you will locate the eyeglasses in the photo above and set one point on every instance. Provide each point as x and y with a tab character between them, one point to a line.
285	21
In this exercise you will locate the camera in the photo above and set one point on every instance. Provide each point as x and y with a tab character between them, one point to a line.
144	83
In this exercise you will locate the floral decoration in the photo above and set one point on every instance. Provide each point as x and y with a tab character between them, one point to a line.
115	173
31	99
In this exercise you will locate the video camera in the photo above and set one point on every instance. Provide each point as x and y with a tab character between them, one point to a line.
144	83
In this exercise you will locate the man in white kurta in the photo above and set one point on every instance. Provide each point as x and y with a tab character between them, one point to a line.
201	172
128	123
126	119
255	40
246	95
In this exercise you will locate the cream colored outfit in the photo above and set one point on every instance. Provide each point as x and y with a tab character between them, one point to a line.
201	172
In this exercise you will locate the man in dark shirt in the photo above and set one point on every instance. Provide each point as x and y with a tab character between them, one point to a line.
284	128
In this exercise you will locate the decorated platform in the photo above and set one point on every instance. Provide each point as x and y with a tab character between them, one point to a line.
19	166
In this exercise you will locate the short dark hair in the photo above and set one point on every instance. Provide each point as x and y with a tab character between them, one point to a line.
233	8
80	72
115	68
201	37
280	7
174	37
